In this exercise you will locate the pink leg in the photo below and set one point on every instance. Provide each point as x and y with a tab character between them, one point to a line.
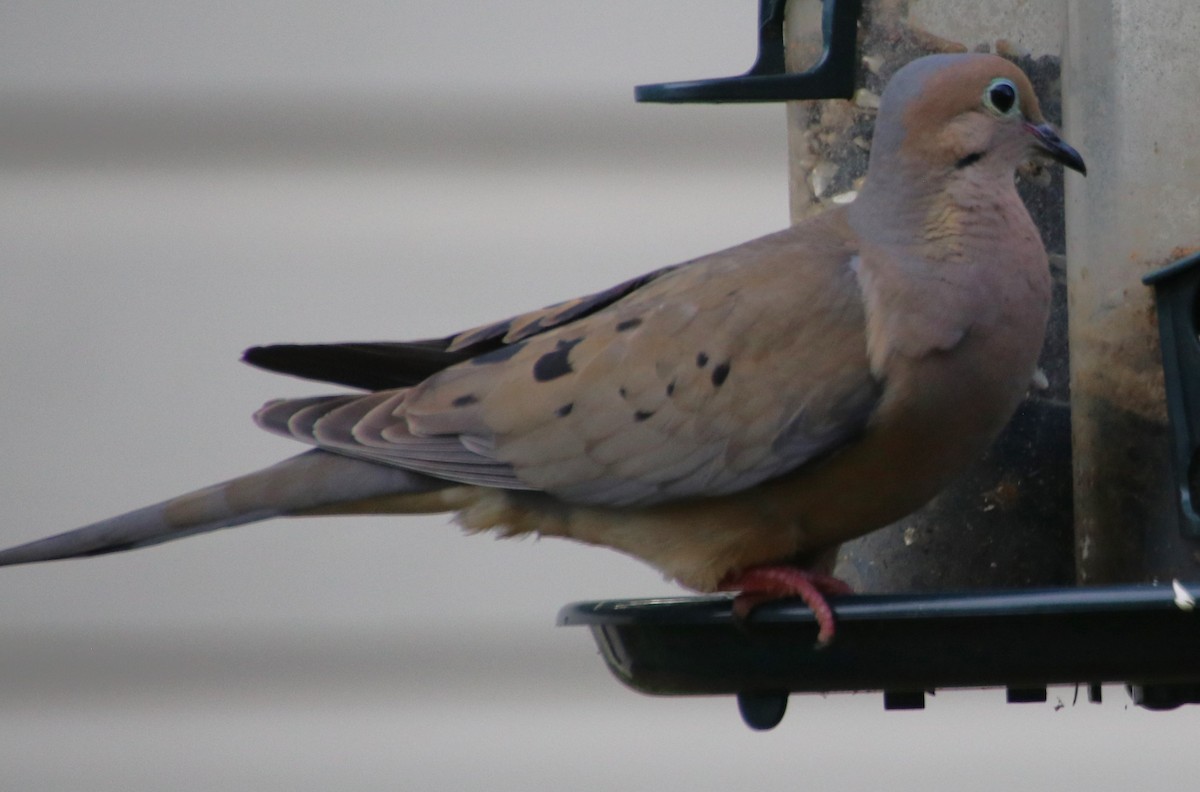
758	584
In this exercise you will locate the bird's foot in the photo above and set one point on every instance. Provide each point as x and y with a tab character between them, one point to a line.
760	584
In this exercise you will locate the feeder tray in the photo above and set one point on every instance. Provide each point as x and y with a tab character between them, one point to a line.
908	645
1147	637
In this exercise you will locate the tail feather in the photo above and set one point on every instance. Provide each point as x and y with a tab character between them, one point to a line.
313	482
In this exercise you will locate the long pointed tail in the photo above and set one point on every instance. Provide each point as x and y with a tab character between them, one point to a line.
313	482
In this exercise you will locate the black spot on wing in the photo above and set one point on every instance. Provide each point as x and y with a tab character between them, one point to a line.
628	324
702	360
466	400
574	309
671	388
642	415
565	410
534	322
720	374
555	364
498	355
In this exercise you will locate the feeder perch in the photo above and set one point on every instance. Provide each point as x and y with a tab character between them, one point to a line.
906	645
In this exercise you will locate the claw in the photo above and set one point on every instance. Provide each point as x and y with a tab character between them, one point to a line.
757	585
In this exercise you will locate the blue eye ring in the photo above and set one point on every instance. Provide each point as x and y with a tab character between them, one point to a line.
1001	97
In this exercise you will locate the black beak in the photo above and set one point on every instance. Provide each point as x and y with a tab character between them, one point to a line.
1050	144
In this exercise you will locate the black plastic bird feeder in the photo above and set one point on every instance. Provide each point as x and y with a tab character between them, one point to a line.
934	634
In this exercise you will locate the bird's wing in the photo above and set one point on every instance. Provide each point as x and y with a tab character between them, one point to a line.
380	365
700	380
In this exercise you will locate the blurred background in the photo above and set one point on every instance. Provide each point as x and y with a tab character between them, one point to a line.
181	180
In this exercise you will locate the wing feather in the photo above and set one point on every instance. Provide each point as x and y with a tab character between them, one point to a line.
692	381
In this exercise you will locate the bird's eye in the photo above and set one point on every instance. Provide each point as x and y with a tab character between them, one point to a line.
1001	97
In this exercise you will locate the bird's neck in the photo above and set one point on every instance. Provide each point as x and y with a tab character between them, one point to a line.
938	263
953	216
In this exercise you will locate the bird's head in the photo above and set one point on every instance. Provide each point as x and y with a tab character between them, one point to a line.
945	113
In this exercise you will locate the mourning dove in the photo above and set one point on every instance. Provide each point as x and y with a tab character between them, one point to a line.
729	420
